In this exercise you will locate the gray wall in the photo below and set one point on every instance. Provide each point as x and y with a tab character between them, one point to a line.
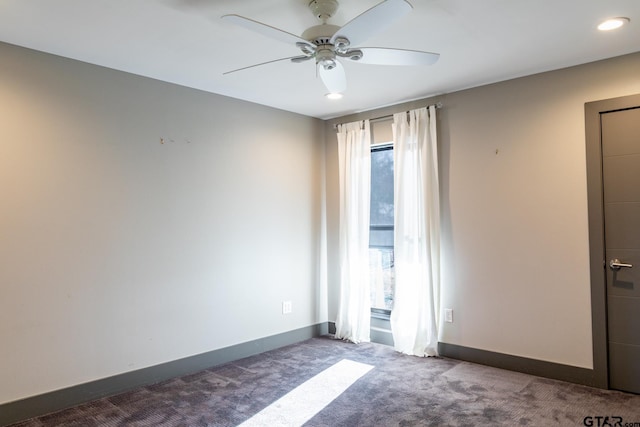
119	251
513	171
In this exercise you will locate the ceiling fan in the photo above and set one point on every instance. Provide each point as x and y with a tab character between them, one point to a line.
327	44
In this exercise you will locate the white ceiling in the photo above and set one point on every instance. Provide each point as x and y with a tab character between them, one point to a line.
186	42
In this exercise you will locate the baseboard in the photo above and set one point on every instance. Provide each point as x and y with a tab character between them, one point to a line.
60	399
541	368
381	334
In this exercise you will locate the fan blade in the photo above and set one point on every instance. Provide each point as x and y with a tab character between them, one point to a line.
388	56
335	79
257	65
266	30
374	20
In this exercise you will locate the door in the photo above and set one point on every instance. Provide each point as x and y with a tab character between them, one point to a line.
621	187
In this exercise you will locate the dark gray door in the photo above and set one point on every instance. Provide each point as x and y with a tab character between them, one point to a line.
621	183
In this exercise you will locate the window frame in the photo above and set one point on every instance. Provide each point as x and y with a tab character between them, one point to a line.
376	312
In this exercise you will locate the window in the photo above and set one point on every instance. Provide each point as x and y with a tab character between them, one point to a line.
381	261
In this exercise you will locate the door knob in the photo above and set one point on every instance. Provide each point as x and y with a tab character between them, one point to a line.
616	265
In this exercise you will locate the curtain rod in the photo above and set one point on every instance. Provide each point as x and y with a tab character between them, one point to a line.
389	116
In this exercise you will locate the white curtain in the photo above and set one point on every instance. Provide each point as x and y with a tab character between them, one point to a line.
354	155
414	318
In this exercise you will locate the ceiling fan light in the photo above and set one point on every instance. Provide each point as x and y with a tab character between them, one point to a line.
326	58
334	95
613	23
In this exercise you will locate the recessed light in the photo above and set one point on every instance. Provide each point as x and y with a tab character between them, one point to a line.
613	23
334	95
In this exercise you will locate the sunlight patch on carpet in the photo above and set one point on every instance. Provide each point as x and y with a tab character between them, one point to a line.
302	403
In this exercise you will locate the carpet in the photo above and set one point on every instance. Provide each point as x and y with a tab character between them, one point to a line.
399	390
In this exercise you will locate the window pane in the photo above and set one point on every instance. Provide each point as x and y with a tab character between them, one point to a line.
382	187
379	238
381	230
382	277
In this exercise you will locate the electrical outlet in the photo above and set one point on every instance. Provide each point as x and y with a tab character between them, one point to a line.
448	315
287	307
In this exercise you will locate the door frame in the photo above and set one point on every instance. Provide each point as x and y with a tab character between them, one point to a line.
597	262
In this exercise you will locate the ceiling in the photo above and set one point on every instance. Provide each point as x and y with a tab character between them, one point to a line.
186	42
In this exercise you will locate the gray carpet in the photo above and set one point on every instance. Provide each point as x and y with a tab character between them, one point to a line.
399	391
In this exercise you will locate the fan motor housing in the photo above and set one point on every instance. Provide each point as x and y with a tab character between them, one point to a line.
320	34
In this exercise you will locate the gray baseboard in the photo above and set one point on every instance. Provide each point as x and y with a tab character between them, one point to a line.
60	399
540	368
525	365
